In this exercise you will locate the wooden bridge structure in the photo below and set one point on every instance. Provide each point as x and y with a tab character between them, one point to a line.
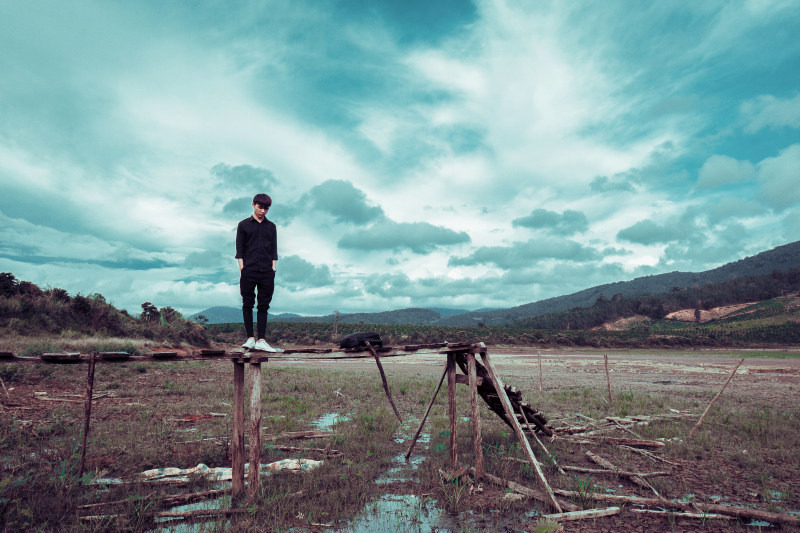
481	377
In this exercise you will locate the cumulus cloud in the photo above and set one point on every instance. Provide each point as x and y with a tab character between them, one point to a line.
721	170
522	254
339	199
767	111
649	232
295	273
419	237
779	178
567	223
618	183
244	177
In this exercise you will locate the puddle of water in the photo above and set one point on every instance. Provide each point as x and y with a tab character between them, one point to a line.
196	527
759	523
392	513
328	420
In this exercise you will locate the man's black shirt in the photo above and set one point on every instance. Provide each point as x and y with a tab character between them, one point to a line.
257	244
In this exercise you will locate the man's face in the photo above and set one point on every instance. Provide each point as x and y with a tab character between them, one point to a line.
260	210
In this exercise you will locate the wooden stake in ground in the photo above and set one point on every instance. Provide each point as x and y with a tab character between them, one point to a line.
383	379
526	446
87	412
541	388
608	379
255	430
237	442
691	433
425	416
476	418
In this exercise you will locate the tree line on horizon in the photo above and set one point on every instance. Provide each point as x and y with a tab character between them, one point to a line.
28	310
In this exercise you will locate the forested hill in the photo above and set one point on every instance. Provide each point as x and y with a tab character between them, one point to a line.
782	258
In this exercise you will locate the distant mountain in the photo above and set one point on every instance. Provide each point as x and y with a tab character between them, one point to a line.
781	258
226	315
413	315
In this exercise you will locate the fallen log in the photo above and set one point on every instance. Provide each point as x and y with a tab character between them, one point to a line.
649	455
601	471
701	516
614	440
739	512
329	452
526	491
171	500
635	478
299	435
582	515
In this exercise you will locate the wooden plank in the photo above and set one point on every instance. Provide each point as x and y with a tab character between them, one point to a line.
61	357
526	446
477	441
237	440
114	356
451	408
255	431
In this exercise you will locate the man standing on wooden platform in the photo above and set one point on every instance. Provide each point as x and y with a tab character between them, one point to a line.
257	254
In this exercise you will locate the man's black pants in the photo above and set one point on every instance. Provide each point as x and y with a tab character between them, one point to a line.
249	281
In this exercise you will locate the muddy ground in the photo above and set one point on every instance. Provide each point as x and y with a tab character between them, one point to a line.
771	380
764	381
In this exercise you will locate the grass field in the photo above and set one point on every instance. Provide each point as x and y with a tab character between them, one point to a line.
152	415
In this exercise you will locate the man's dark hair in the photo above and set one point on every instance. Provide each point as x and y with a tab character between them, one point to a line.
262	199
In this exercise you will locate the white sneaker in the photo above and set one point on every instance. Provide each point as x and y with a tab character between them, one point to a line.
264	347
249	344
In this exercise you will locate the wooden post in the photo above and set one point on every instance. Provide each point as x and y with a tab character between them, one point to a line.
383	379
87	412
608	379
539	356
425	416
255	430
476	418
512	417
451	408
237	441
691	434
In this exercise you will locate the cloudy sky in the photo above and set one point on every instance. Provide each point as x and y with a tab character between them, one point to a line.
418	153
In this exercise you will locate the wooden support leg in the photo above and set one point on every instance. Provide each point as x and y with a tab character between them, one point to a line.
255	431
383	378
451	408
87	412
476	419
425	416
526	446
237	440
